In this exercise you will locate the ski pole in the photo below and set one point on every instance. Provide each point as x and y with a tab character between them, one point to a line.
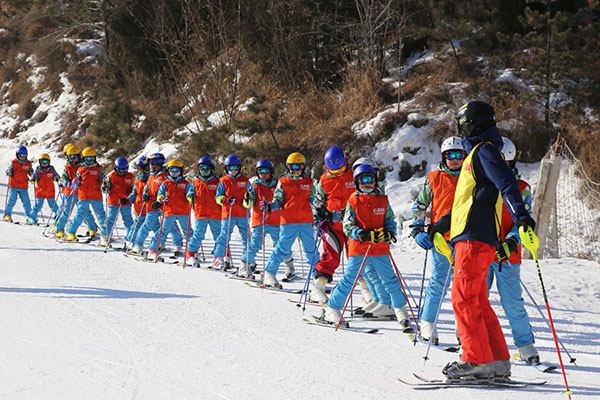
202	251
139	216
227	251
572	359
310	269
531	242
187	233
114	223
5	201
443	248
159	234
354	285
301	256
54	211
400	279
264	250
419	310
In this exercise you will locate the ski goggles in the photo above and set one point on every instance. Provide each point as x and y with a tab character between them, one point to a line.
73	157
156	163
21	156
455	155
44	162
338	171
175	169
233	167
295	167
263	170
121	171
204	167
89	158
366	178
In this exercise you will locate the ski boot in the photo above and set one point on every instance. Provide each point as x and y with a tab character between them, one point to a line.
60	234
367	297
8	218
218	263
270	280
366	309
501	369
244	270
317	292
289	269
529	354
466	370
427	332
71	237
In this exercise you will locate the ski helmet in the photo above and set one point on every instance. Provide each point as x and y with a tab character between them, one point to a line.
66	147
232	159
508	149
175	168
295	159
22	150
207	161
88	152
364	161
264	163
474	117
335	159
121	163
156	158
452	143
362	170
73	150
44	160
142	163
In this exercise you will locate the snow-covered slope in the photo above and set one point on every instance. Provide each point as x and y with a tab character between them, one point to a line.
79	323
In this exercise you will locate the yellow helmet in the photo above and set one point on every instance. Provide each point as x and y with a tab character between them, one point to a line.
44	157
88	152
296	158
73	150
175	163
66	148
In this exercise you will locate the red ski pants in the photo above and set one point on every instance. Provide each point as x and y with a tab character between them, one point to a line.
477	324
334	241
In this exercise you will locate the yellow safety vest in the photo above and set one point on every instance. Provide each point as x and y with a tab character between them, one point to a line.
464	197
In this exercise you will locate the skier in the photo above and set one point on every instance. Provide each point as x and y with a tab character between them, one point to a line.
207	212
474	224
370	225
157	176
88	181
18	173
118	185
139	208
43	179
293	196
230	195
262	189
70	196
332	194
175	195
437	191
507	276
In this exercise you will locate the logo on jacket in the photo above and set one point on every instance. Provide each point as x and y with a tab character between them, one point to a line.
379	211
181	185
467	167
241	184
349	185
304	186
212	187
93	172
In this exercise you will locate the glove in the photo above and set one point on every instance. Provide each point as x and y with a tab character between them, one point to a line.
123	201
229	200
265	206
106	186
156	205
510	245
367	235
386	236
164	199
191	198
248	197
423	240
145	196
75	183
526	223
323	214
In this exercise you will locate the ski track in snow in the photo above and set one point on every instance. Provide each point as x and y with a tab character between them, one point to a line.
79	323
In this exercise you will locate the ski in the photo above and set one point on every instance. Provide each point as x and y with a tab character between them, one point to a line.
320	322
149	260
448	348
259	285
311	303
543	367
289	278
428	384
240	278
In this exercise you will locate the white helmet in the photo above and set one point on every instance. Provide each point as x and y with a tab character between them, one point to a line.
452	143
364	161
508	149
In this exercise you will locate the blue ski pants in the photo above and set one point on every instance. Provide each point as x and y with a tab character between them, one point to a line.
283	250
378	292
512	302
221	244
385	270
169	226
39	203
138	221
200	227
23	194
112	217
256	241
84	213
435	287
64	214
152	224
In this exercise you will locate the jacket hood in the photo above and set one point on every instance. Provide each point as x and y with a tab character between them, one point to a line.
491	134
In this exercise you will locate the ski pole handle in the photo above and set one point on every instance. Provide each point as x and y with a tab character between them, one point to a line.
442	247
530	240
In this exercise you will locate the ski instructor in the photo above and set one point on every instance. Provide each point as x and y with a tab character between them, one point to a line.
474	223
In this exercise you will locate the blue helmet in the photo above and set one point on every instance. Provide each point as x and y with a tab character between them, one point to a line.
22	150
232	159
265	164
335	158
157	158
142	162
364	169
206	160
121	163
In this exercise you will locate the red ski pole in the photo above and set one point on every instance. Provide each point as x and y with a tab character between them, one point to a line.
187	233
404	290
354	285
159	234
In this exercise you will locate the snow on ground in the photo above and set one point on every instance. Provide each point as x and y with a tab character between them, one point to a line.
79	323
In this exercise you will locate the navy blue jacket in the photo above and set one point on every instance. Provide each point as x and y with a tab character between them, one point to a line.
492	175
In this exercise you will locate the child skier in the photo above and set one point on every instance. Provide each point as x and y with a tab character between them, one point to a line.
118	185
370	226
175	196
293	195
87	182
437	191
507	268
157	176
332	194
18	173
139	206
261	189
230	195
43	179
207	211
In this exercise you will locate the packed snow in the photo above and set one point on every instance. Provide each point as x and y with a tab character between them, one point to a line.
81	323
